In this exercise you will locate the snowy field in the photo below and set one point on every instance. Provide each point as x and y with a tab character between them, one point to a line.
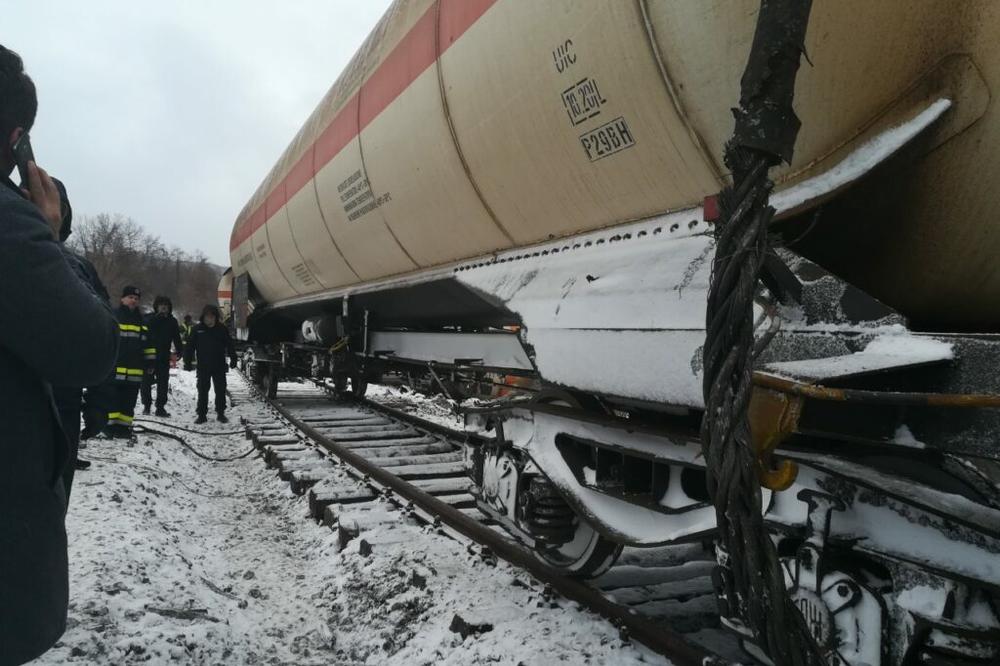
177	559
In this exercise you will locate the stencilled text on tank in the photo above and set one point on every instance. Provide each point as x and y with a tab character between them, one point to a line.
563	56
357	197
301	272
583	100
584	103
612	137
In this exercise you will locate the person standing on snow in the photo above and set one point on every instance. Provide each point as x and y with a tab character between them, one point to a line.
187	327
211	344
52	330
163	330
69	399
135	358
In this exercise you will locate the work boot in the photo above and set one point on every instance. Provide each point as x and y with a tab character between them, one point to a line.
116	432
160	411
201	419
222	418
82	464
145	410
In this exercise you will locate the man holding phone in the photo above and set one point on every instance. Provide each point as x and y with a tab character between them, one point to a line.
52	331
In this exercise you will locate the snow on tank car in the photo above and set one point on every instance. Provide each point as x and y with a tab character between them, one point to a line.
504	191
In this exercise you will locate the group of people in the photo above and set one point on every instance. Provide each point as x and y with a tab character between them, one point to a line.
64	353
145	348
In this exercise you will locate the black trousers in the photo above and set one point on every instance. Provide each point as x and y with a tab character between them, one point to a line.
206	378
97	402
161	375
69	405
123	405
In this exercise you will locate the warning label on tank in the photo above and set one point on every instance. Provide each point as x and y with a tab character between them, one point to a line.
610	138
357	197
583	100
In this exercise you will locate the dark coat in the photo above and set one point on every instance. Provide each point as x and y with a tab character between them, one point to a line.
163	330
135	351
52	330
87	273
68	398
212	345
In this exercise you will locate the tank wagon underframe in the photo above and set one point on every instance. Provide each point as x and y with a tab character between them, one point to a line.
600	355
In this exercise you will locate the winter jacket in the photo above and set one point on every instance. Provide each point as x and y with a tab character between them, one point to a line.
68	398
211	345
135	351
163	330
52	330
87	274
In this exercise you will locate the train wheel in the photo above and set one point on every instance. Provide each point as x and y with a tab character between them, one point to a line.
588	555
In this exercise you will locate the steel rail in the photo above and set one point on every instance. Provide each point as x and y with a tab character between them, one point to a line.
653	634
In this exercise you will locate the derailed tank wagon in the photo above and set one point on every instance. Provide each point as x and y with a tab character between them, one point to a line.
512	192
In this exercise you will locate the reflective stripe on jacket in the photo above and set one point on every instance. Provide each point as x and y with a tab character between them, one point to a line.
135	352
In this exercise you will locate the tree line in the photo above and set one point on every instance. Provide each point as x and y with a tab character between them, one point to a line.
126	254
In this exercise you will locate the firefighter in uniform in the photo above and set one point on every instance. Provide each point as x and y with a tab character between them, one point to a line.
135	358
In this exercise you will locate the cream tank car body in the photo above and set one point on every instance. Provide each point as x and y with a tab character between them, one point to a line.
508	199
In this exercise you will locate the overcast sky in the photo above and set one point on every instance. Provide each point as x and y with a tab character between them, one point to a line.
172	112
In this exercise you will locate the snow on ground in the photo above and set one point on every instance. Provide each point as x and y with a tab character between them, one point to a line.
177	559
436	409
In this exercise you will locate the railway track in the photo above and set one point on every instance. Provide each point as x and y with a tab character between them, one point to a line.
360	462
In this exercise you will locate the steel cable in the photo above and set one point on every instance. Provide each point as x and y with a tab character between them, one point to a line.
749	571
190	430
178	438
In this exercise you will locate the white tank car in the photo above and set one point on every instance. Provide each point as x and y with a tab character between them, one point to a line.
515	192
465	127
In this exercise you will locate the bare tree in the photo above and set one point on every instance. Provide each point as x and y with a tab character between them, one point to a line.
125	253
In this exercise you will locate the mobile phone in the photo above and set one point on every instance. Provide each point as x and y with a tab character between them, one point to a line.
22	155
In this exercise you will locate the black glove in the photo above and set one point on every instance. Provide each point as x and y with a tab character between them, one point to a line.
232	363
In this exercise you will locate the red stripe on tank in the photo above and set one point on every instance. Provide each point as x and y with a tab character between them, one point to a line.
411	57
